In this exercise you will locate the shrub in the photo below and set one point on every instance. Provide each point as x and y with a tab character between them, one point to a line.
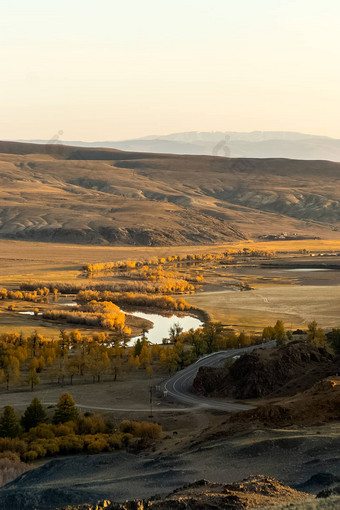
91	424
126	438
115	441
12	456
142	429
64	429
71	443
52	446
39	447
42	431
30	456
13	445
98	445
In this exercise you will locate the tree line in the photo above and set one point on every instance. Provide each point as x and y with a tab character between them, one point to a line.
314	335
135	300
103	314
165	286
159	261
34	436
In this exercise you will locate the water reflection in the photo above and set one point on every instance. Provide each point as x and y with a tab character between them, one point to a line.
161	325
30	313
306	269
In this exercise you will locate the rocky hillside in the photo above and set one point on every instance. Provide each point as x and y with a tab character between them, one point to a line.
263	372
101	196
250	493
319	404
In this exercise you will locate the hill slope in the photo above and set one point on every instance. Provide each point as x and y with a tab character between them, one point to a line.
103	196
262	372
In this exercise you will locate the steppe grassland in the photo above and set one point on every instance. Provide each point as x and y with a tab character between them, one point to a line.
277	298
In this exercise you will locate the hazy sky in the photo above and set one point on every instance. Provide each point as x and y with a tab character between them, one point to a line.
115	69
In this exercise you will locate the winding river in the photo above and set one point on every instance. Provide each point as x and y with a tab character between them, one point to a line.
161	324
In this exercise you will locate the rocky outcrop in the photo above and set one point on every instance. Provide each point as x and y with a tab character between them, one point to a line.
288	370
250	493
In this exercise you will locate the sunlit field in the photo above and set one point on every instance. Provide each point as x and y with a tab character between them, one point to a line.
277	293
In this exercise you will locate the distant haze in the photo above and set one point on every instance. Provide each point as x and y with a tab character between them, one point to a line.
257	144
113	70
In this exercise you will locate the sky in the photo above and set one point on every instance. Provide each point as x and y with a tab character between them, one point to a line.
118	69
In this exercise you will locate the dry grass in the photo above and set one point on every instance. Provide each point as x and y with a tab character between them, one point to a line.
295	305
23	260
11	467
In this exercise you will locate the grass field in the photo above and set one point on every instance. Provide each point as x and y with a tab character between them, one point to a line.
21	256
295	305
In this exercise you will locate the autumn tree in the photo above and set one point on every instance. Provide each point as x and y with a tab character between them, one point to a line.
33	378
277	333
212	332
139	344
315	335
170	360
72	367
132	360
115	355
145	356
10	369
75	336
65	410
244	340
175	332
280	333
98	361
268	333
64	342
34	342
183	355
196	339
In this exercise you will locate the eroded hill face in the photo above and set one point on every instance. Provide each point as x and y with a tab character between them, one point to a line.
263	372
98	196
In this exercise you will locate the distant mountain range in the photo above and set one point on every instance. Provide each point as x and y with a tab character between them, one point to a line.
256	144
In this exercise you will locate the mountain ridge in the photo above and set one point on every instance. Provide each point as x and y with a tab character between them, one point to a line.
262	144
